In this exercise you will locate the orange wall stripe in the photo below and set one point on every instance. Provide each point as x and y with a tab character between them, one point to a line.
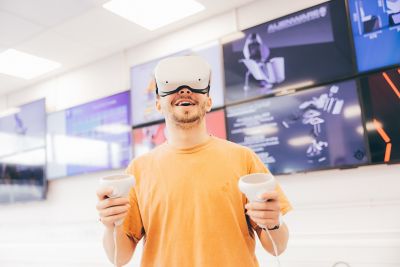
387	152
395	90
381	132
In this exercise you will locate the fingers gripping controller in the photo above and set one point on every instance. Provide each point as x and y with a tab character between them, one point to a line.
121	184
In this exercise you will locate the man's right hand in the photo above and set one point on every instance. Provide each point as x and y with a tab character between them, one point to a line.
111	209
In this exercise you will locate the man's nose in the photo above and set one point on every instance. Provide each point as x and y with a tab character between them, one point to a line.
184	91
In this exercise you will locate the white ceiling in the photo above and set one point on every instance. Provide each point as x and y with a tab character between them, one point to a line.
77	32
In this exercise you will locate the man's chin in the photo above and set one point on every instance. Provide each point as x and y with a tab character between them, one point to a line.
186	117
187	120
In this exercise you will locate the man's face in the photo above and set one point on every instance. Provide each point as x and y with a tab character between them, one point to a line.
185	109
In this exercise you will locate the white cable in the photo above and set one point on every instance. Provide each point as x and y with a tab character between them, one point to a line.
274	246
115	246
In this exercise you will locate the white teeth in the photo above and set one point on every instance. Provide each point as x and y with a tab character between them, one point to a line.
184	104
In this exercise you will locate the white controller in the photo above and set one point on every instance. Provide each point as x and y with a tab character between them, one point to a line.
121	184
255	184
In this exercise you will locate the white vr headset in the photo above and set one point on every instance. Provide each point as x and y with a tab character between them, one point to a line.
175	73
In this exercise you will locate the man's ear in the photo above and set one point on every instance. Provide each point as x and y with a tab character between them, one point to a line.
209	104
158	104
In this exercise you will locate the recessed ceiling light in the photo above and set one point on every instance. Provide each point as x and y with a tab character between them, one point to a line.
153	14
23	65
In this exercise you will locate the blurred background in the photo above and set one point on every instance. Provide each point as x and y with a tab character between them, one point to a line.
313	87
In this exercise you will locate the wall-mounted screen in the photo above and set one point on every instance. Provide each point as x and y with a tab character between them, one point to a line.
299	50
148	137
311	129
376	31
90	137
381	97
143	85
23	153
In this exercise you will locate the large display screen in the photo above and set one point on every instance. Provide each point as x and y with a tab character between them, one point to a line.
299	50
23	153
143	86
90	137
381	97
376	31
148	137
312	129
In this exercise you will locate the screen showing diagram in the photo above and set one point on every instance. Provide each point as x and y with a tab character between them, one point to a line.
312	129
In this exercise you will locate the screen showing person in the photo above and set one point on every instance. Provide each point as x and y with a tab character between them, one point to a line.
302	49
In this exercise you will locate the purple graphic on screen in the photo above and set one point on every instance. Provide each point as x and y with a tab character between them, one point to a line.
104	125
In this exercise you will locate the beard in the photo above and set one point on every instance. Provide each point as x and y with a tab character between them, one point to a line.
189	119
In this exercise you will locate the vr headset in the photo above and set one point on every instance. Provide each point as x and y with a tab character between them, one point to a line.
175	73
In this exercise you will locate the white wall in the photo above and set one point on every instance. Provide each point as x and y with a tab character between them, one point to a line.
340	215
349	215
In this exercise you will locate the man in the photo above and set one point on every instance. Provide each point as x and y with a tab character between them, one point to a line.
186	203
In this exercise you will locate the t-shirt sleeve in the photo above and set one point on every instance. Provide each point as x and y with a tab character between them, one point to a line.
133	225
255	165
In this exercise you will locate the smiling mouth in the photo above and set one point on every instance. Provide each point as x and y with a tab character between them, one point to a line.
184	104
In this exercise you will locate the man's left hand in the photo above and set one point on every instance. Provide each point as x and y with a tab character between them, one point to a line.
265	214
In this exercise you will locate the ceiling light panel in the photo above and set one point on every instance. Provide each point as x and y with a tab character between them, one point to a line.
23	65
153	14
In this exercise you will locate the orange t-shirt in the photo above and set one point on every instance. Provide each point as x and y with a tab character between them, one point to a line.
188	207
